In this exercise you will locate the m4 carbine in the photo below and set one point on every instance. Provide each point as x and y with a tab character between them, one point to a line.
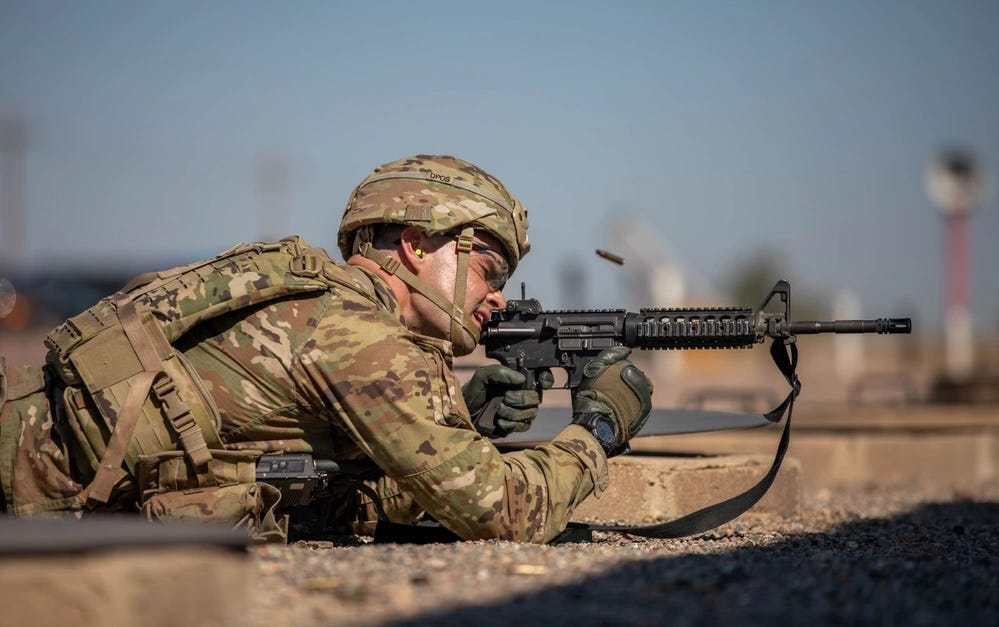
532	341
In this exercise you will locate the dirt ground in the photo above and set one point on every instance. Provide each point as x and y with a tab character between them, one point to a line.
874	555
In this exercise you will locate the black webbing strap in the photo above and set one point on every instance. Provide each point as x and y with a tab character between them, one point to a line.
786	359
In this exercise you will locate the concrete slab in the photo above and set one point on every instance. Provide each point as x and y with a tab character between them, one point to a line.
120	572
153	586
946	448
949	448
648	489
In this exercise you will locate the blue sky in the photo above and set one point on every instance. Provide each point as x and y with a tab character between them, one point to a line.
721	128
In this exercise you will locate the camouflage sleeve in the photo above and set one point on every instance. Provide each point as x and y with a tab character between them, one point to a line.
396	396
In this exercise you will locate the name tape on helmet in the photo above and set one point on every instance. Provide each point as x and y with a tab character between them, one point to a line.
444	180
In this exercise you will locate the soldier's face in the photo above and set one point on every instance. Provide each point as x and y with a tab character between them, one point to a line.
487	273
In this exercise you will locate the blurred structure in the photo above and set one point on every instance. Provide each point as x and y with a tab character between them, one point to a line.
956	185
272	176
572	283
890	381
848	349
13	144
652	278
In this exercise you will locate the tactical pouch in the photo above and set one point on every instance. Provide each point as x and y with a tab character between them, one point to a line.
171	471
88	428
247	506
169	490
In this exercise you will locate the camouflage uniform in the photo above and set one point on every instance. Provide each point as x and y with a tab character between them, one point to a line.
334	372
35	472
337	374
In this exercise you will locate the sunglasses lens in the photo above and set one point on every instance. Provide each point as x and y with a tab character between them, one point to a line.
494	272
494	268
497	271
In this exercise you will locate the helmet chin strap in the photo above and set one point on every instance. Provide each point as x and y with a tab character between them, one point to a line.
460	323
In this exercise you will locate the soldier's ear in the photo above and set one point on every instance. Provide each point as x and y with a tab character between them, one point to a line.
412	247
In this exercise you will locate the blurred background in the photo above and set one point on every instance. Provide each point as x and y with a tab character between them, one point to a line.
849	147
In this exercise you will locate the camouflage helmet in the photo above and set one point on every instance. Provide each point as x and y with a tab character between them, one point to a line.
438	194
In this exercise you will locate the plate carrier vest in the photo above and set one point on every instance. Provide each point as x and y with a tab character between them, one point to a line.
129	394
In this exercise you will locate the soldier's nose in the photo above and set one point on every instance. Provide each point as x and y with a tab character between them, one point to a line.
496	300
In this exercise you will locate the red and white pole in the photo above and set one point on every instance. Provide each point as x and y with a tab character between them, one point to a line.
955	184
959	354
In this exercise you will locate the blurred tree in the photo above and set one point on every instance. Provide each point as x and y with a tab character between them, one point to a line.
754	275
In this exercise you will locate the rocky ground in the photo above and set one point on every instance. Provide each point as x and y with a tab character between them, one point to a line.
900	555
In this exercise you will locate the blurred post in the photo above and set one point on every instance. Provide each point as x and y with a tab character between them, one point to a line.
848	349
272	178
959	357
955	185
572	281
668	286
653	278
13	144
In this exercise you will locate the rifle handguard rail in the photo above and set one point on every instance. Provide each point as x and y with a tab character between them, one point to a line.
529	339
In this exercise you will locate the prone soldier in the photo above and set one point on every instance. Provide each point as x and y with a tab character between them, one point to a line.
162	398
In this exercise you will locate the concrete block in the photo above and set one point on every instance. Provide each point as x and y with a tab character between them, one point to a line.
647	489
152	587
944	448
946	460
116	571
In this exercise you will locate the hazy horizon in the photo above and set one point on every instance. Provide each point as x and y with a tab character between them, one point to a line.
723	128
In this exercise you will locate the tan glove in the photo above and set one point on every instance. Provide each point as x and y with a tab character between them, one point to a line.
614	399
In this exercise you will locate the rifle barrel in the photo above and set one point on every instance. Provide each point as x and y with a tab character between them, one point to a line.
880	325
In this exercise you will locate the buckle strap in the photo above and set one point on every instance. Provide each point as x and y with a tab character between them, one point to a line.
387	262
464	252
466	240
308	266
192	439
391	265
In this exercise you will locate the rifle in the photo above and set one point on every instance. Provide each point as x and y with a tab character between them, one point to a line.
532	341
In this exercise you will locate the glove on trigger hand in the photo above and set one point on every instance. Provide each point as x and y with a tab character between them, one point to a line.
516	408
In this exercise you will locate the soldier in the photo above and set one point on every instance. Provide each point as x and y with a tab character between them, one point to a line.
161	398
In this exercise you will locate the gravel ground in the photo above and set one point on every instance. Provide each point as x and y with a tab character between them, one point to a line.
905	555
